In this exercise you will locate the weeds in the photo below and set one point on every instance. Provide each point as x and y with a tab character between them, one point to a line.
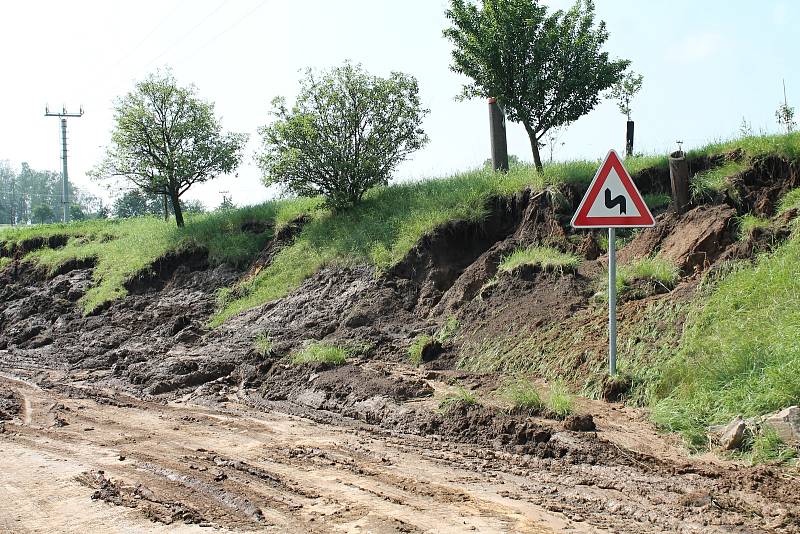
547	258
448	330
320	353
262	344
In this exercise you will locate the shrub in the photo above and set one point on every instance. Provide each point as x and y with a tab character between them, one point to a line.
346	133
320	353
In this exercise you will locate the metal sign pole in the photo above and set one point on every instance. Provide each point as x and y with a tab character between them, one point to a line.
612	301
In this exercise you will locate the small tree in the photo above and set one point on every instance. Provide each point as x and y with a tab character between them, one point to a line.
545	70
166	139
346	133
76	213
624	90
43	214
785	113
226	204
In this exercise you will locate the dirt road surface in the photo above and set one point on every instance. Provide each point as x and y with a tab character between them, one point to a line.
78	458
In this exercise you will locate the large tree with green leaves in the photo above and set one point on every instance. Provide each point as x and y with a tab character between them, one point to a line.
545	69
346	133
166	139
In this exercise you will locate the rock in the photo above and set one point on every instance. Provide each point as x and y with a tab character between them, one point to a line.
580	423
733	434
786	424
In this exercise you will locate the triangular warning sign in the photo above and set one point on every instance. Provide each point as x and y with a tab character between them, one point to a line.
612	200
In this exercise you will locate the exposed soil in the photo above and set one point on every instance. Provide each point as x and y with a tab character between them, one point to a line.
141	417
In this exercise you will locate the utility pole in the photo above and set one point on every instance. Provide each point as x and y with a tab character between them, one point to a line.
64	174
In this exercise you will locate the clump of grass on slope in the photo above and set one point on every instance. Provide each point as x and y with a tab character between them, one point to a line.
417	347
739	353
651	268
320	353
706	185
522	395
460	396
546	257
124	248
559	400
750	222
789	201
657	200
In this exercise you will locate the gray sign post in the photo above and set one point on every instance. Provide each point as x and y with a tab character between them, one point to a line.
612	201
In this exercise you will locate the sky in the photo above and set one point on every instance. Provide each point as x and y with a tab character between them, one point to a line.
707	65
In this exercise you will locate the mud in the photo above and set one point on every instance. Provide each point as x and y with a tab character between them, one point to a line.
163	421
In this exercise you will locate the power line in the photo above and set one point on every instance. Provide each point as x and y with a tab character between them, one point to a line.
146	37
223	32
185	35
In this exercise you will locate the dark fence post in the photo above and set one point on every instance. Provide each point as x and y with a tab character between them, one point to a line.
629	139
497	132
679	179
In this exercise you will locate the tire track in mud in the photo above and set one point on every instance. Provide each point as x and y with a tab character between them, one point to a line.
262	485
232	467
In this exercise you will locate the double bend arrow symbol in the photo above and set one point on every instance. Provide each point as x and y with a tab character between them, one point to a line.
619	200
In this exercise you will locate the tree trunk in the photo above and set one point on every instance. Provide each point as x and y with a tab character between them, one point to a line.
537	159
176	208
166	209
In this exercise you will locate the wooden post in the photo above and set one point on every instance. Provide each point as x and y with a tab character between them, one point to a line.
629	139
497	132
679	179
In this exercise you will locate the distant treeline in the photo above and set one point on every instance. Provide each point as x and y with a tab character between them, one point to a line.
34	196
31	196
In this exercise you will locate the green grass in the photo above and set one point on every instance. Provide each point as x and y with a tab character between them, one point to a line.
559	400
650	268
320	353
782	145
522	395
262	344
461	396
789	201
707	185
739	353
750	222
124	248
657	200
448	330
767	446
415	350
547	258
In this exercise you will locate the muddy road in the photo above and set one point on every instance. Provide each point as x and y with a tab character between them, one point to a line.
80	459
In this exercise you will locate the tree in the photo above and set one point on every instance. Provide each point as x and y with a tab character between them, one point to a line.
226	204
624	90
193	206
76	213
346	133
43	214
785	113
545	70
166	139
135	203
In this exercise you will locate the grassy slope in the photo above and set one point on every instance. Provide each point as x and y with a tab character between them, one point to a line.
124	248
739	353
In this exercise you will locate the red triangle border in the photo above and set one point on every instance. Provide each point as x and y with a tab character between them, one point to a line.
582	219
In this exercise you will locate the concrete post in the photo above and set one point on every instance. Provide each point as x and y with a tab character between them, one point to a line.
679	180
497	133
